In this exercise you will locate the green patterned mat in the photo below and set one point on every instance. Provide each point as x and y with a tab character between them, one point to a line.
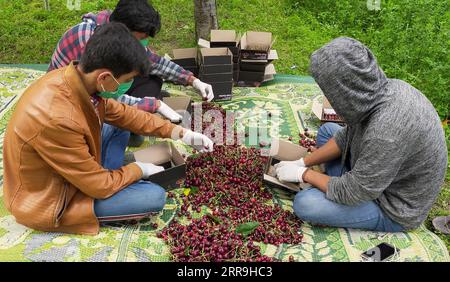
137	241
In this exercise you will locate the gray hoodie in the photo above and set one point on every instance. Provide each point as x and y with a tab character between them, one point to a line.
393	141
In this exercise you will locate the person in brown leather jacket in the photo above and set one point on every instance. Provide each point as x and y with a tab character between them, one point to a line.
54	179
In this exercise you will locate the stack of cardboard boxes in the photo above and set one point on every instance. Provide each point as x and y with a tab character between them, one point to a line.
228	59
216	68
227	39
256	58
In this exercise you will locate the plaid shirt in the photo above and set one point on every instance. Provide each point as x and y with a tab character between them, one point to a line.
72	44
71	47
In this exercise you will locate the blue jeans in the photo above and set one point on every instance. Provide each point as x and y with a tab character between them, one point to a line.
311	205
135	201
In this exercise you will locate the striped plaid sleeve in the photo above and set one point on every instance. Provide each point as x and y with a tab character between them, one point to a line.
147	104
168	70
71	46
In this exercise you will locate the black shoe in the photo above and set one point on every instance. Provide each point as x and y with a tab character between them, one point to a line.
136	140
164	93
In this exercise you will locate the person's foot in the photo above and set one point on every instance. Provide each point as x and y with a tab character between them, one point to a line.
136	140
442	224
129	158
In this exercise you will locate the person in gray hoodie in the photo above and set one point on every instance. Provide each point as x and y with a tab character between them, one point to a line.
385	168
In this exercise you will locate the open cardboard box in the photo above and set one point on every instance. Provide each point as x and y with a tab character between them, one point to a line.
216	56
164	154
258	76
181	105
284	151
325	112
187	58
223	91
222	38
256	45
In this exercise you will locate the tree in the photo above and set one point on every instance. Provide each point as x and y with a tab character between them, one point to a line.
205	12
47	5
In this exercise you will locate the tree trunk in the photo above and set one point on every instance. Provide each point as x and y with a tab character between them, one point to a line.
47	5
205	13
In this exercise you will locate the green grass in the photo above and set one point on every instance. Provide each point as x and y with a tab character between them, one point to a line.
410	39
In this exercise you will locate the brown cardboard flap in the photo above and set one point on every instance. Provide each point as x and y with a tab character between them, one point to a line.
178	103
224	36
202	43
156	154
326	103
186	53
317	109
159	154
284	151
269	72
258	41
273	55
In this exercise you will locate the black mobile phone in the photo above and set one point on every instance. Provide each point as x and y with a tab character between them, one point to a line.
381	252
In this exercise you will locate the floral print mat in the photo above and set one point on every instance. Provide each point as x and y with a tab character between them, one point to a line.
292	97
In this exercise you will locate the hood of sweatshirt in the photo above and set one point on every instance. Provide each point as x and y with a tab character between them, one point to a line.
349	76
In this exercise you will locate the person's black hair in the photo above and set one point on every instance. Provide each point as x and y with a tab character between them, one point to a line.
137	15
113	47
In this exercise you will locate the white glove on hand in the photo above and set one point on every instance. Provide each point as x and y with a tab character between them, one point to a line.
169	113
149	169
291	173
198	141
204	88
299	163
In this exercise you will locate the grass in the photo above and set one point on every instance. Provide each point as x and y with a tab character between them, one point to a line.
409	39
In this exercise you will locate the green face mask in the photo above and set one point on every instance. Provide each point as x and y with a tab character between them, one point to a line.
145	42
121	90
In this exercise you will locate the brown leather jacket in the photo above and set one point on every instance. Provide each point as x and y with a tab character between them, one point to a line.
51	154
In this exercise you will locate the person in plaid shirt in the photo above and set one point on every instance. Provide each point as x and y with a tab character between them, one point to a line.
144	22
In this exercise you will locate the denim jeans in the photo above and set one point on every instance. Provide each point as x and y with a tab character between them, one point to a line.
311	204
135	201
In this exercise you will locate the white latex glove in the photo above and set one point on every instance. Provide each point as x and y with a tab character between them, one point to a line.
299	163
169	113
291	173
204	88
149	169
198	141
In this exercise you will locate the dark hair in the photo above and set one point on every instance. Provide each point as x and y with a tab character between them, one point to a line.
137	15
113	47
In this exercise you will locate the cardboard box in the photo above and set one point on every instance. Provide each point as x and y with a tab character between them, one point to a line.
256	45
251	76
224	38
211	69
258	76
186	57
284	151
325	112
253	66
216	77
182	105
216	56
222	90
164	154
